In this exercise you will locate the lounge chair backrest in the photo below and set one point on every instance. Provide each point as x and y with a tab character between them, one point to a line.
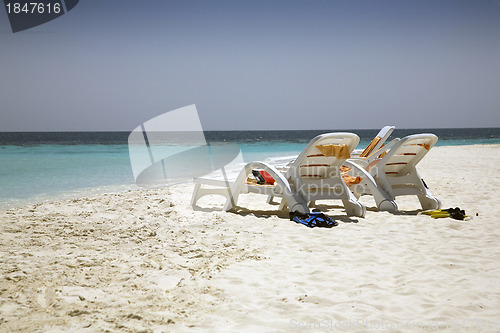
403	157
313	163
378	141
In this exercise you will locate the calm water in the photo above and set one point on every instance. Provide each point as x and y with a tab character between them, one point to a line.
41	166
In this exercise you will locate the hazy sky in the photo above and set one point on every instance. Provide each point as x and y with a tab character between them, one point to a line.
272	64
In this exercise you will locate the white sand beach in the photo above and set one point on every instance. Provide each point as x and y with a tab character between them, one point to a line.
145	261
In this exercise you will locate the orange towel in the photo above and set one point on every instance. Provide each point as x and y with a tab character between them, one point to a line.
339	151
350	180
344	169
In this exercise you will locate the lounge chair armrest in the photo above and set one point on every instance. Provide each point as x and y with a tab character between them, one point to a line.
359	161
358	167
275	173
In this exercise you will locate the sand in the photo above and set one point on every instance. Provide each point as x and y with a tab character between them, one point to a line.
145	261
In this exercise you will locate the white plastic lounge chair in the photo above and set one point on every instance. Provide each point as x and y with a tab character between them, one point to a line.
314	175
395	174
232	190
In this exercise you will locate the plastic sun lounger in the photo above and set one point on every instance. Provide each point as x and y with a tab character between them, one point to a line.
313	176
395	174
317	176
232	189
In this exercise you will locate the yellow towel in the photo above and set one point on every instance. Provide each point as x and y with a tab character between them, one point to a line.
426	146
370	147
339	151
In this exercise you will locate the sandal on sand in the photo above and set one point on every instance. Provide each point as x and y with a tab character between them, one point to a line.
313	219
455	213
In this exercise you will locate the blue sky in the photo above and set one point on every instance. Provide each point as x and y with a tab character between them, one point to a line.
296	64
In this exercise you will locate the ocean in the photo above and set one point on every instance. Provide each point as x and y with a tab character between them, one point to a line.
41	166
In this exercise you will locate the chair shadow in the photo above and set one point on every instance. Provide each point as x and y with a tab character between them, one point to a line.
408	212
285	215
197	208
324	208
399	212
244	211
260	213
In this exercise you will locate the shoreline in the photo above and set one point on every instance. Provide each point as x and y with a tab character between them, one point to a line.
79	193
145	260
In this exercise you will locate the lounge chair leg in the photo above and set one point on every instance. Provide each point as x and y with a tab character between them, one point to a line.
200	192
283	204
194	197
382	198
387	205
270	199
299	207
429	202
354	208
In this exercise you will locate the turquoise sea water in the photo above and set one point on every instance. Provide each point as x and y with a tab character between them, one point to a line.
36	167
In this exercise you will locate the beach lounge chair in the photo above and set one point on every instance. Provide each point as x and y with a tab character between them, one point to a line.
395	174
231	189
314	175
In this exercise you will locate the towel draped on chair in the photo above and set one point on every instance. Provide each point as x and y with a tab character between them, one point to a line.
340	151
